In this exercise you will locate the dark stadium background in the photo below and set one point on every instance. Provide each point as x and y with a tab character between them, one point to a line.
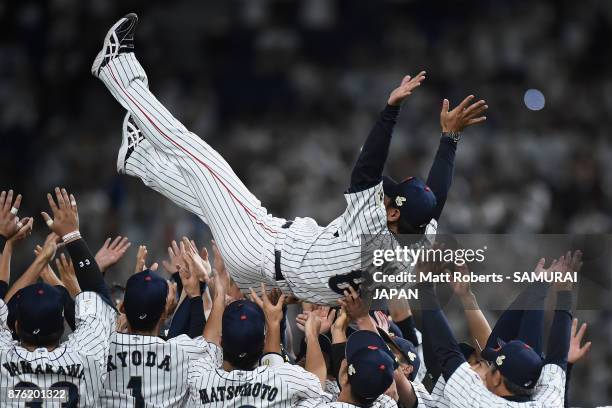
287	91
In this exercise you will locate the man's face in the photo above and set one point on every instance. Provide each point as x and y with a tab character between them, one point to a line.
481	367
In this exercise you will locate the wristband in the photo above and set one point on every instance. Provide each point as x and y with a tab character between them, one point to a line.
2	242
71	236
454	136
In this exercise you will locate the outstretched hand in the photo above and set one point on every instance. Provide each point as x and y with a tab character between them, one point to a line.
65	214
405	89
271	303
576	350
9	223
141	260
111	252
464	115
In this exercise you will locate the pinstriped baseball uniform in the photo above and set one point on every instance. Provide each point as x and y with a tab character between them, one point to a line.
383	401
249	238
77	364
282	385
465	389
148	371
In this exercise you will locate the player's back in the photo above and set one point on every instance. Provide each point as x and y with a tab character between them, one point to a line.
75	367
147	371
264	387
66	374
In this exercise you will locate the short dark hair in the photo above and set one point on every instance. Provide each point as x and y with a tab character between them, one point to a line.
515	389
361	401
246	363
48	340
142	325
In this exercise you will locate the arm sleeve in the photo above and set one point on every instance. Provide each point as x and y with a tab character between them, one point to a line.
560	331
371	161
441	174
87	271
338	354
180	320
523	319
442	340
69	306
408	329
568	375
3	289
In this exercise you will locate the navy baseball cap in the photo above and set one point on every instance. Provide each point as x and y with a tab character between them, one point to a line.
243	328
370	364
145	299
40	310
405	348
467	350
517	361
413	198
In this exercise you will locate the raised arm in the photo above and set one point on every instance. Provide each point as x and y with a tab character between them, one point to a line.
441	338
477	322
315	363
560	330
272	306
453	122
371	162
65	223
33	272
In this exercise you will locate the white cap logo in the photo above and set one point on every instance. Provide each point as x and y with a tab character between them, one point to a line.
411	356
500	360
36	331
399	201
351	370
142	316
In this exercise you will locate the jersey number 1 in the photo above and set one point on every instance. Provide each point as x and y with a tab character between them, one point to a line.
135	385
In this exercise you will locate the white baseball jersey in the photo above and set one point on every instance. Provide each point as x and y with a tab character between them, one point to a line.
281	385
184	168
466	389
146	371
77	365
383	401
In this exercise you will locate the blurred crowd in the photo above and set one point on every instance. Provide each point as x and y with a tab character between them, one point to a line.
288	90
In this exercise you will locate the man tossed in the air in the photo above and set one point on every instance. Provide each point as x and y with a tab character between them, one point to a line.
311	261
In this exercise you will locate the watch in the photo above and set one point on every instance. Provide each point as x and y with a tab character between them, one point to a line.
454	136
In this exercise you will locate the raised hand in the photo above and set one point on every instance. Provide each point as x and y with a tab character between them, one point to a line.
141	260
338	329
65	214
461	289
25	229
188	272
273	311
405	88
354	305
312	326
9	223
464	115
174	258
68	275
111	252
49	248
576	350
193	261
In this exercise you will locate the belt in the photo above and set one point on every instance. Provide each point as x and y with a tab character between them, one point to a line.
278	275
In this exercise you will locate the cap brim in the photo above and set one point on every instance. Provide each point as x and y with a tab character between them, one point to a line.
490	354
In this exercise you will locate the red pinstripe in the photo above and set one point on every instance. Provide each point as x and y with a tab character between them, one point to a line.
215	175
